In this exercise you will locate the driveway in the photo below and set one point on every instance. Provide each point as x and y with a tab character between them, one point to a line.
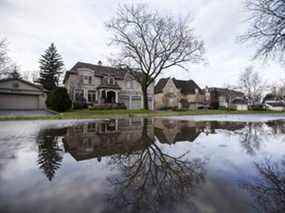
25	112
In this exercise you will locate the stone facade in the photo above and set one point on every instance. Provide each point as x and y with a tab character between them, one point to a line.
173	93
99	84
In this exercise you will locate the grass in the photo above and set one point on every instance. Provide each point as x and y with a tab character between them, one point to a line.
100	114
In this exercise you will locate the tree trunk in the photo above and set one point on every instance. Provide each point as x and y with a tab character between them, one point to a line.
145	98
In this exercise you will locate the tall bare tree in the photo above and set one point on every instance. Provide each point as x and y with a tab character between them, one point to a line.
4	59
252	85
152	43
267	27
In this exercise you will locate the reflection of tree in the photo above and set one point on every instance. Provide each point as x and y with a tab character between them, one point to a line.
250	137
49	158
268	191
150	179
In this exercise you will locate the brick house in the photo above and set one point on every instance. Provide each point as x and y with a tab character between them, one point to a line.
98	84
173	93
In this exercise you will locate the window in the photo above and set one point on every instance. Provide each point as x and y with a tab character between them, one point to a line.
90	80
91	96
81	79
111	80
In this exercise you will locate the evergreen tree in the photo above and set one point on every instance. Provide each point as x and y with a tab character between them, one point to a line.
51	65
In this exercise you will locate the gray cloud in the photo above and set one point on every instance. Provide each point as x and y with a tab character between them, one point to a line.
77	28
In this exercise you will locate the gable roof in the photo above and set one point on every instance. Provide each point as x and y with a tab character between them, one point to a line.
23	81
186	87
99	70
160	85
225	91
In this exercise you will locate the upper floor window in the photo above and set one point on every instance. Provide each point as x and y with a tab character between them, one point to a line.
90	80
111	80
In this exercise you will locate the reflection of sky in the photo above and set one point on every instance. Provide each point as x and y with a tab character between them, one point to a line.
23	185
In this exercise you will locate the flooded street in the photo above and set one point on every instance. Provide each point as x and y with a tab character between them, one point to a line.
179	164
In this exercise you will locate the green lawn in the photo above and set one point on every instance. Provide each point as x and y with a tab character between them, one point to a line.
93	114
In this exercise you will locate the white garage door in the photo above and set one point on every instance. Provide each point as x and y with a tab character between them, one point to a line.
136	102
19	102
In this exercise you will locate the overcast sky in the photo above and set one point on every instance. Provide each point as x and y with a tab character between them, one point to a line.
77	29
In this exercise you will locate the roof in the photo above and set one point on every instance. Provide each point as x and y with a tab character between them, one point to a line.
99	70
109	86
225	91
23	81
272	97
160	85
239	101
186	87
276	104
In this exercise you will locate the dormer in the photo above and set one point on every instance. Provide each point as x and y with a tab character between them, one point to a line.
109	80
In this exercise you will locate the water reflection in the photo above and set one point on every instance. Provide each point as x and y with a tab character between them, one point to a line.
50	154
151	180
268	189
155	165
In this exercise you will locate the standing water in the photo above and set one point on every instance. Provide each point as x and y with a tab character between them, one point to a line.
143	165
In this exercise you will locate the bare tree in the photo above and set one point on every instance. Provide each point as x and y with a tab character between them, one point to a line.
252	85
266	26
15	73
152	43
31	75
4	59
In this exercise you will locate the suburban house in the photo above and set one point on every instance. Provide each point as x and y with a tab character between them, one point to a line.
98	84
173	93
223	97
18	94
274	102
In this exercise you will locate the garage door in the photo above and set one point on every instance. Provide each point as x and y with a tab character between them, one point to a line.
19	102
136	102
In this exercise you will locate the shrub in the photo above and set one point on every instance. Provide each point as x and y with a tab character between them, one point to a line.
108	106
58	100
80	104
258	107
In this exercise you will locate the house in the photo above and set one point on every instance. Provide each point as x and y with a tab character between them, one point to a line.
221	97
18	94
278	106
270	97
274	102
239	104
173	93
98	84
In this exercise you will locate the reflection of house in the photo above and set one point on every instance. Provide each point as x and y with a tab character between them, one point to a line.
170	93
98	84
17	94
171	131
108	138
221	97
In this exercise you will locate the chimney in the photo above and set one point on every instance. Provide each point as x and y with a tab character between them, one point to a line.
100	63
